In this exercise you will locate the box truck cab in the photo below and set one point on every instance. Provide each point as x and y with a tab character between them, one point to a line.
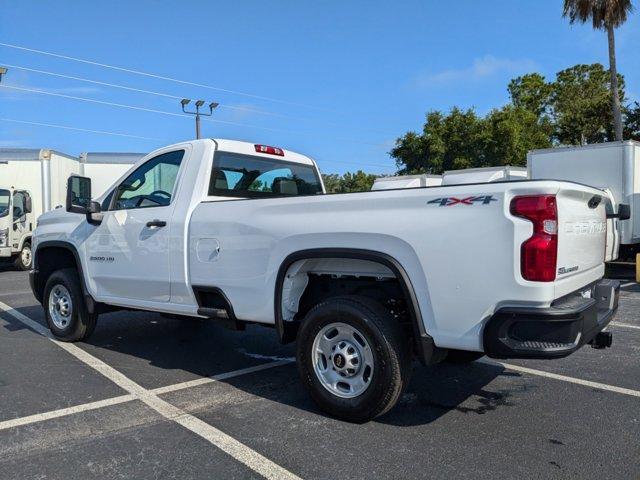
16	222
32	181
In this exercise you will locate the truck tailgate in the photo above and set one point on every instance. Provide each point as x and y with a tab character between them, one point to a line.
582	229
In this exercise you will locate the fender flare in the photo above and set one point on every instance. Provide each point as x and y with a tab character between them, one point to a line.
36	283
427	351
25	239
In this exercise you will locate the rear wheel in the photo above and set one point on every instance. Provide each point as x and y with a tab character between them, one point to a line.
24	259
65	308
353	357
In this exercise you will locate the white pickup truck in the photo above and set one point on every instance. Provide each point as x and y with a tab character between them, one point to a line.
364	282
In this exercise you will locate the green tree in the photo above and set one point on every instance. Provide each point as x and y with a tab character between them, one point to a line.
604	15
349	182
531	92
632	122
331	182
447	142
510	132
581	105
357	182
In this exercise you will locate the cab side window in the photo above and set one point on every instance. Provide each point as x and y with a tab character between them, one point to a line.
151	185
18	205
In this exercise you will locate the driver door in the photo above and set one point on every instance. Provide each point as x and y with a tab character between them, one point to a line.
128	253
20	220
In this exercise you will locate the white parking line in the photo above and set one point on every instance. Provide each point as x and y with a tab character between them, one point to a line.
242	453
19	292
625	325
564	378
63	412
85	407
216	378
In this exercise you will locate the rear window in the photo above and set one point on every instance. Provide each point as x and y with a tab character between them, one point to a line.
235	175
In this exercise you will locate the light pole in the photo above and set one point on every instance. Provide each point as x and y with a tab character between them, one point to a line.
199	103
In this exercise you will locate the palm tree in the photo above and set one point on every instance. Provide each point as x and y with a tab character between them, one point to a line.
604	15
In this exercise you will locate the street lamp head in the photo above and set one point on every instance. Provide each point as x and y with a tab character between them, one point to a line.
213	105
185	101
199	103
3	70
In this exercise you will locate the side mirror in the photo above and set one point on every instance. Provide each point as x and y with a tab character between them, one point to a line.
28	204
624	211
79	195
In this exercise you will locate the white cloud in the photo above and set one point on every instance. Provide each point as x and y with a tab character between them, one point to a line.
482	67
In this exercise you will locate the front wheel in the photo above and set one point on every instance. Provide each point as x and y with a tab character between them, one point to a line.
24	258
353	358
65	308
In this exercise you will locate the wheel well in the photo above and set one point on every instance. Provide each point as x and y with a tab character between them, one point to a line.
50	259
310	281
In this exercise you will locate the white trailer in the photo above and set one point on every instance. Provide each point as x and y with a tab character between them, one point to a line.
32	181
104	168
406	181
483	175
613	166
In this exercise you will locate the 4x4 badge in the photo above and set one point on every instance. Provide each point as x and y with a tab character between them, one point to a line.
450	201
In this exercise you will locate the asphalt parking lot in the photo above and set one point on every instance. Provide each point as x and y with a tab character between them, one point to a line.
149	397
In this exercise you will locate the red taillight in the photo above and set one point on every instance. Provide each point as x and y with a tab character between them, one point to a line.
269	150
539	254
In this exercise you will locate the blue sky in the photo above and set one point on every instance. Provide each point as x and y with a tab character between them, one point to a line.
336	80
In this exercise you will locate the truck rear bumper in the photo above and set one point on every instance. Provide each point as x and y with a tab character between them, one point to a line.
553	332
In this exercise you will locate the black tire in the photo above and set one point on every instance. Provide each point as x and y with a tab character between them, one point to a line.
20	259
391	357
81	323
462	356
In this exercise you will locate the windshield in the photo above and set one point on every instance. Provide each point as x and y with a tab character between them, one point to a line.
5	195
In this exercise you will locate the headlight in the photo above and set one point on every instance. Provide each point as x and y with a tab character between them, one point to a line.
4	237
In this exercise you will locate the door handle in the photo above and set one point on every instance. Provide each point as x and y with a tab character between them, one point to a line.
156	223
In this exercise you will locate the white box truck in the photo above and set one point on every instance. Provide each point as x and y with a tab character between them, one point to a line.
613	166
104	168
483	175
406	181
32	181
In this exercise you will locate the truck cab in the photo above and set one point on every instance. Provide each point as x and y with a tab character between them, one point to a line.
16	226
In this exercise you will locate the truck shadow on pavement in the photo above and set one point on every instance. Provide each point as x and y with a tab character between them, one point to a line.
156	351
